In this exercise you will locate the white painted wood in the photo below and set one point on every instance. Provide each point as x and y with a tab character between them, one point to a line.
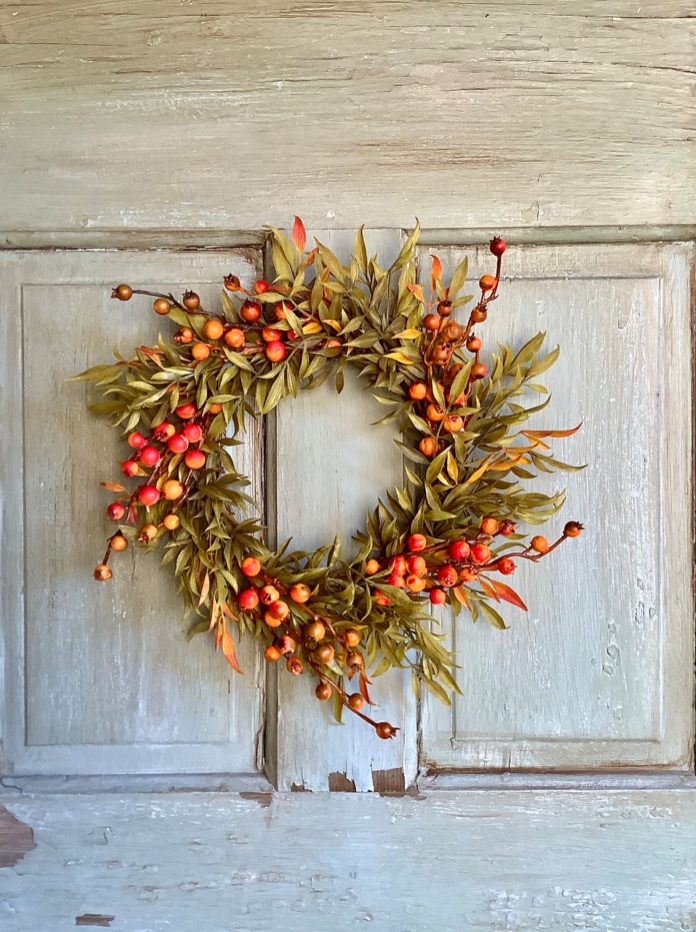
468	114
599	674
480	861
99	677
332	465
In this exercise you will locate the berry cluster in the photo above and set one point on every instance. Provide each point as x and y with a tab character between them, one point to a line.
447	537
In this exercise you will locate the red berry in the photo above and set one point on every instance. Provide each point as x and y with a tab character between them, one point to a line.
506	566
447	576
395	580
397	565
459	550
437	596
270	334
149	456
480	553
261	286
248	599
497	246
115	511
186	411
275	351
250	311
417	565
195	459
148	495
507	527
178	443
192	432
136	440
130	468
417	542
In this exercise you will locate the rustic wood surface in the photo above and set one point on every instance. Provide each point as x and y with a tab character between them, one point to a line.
100	677
598	674
482	861
480	114
332	465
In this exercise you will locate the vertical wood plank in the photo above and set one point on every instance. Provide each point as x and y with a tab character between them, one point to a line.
331	467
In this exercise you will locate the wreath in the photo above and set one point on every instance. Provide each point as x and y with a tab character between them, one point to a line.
447	536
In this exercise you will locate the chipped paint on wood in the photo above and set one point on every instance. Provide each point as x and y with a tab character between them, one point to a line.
16	839
488	861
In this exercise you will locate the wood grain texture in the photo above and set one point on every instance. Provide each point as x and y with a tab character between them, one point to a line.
100	678
480	861
599	674
332	465
481	114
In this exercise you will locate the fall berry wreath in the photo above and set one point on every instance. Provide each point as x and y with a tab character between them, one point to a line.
447	536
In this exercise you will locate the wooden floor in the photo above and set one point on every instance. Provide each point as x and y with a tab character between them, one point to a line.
300	862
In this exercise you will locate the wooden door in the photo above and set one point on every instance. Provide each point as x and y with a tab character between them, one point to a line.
558	791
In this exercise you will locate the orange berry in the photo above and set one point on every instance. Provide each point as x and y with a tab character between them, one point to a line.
294	666
119	542
200	351
540	544
162	306
573	529
417	391
271	620
474	344
479	371
435	412
372	567
354	659
351	637
123	293
447	576
324	653
215	409
489	525
195	459
486	282
300	593
269	595
102	573
250	311
251	566
316	631
356	702
270	334
385	730
415	583
148	532
235	338
171	522
468	574
213	329
432	322
272	654
323	691
453	423
172	490
275	351
191	301
427	446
